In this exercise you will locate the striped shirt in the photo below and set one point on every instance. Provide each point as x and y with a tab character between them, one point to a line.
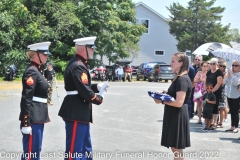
231	86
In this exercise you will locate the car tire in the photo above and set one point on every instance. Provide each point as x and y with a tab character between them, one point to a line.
137	78
149	79
144	78
155	78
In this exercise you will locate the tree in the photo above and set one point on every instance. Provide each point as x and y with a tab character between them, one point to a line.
25	22
235	35
197	24
16	30
114	23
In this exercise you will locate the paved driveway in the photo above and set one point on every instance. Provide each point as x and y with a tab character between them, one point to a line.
126	126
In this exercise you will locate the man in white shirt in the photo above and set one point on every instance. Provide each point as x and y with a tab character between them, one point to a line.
119	73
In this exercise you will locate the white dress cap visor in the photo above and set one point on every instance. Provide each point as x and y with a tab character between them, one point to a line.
43	46
85	41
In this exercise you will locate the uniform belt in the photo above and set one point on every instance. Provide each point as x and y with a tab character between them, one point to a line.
72	92
38	99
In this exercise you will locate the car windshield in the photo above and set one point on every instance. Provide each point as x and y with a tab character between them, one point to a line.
149	65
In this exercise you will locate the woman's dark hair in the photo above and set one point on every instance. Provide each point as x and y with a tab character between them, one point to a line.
182	57
203	63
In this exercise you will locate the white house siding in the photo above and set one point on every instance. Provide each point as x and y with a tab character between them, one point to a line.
158	38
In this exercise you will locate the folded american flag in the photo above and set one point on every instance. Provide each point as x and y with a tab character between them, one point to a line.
161	96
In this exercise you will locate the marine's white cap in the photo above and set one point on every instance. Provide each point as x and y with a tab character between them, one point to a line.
85	41
43	46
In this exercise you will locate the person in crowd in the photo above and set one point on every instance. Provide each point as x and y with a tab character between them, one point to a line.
49	74
191	74
222	101
209	66
119	73
215	77
33	105
175	130
199	81
197	67
209	100
233	96
197	64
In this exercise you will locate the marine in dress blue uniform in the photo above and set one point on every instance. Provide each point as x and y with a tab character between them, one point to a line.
76	109
33	106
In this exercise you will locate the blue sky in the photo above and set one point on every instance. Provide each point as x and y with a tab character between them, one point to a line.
230	15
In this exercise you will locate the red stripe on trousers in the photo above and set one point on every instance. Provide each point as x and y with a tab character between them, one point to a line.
73	139
29	146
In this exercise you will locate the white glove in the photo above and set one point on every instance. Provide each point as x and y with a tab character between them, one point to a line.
26	130
99	86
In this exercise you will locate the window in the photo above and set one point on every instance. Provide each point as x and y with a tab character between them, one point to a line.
145	23
159	53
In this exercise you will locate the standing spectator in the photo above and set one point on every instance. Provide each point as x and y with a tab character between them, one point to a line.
199	81
197	67
33	106
209	66
215	77
175	130
191	74
49	74
197	64
231	90
119	73
127	73
222	101
209	100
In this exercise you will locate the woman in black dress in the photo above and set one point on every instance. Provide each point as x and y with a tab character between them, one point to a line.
175	130
215	77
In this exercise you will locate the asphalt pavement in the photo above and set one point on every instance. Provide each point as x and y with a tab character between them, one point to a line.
126	126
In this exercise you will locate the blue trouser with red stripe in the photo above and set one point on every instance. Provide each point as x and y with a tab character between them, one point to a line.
78	141
32	144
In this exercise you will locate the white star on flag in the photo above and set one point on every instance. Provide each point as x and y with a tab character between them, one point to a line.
162	97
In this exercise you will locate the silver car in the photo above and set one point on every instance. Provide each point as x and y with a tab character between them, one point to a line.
161	72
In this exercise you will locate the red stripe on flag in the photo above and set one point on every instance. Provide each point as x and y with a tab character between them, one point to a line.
73	139
29	146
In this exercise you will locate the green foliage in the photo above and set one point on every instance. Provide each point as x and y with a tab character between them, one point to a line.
25	22
197	24
235	34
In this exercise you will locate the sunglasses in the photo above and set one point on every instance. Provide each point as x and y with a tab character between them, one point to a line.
197	59
205	66
209	87
235	65
222	66
91	46
212	63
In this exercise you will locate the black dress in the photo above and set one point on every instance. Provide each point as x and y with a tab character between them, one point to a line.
175	130
212	78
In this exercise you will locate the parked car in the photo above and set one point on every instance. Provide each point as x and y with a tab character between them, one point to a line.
134	70
161	72
144	69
